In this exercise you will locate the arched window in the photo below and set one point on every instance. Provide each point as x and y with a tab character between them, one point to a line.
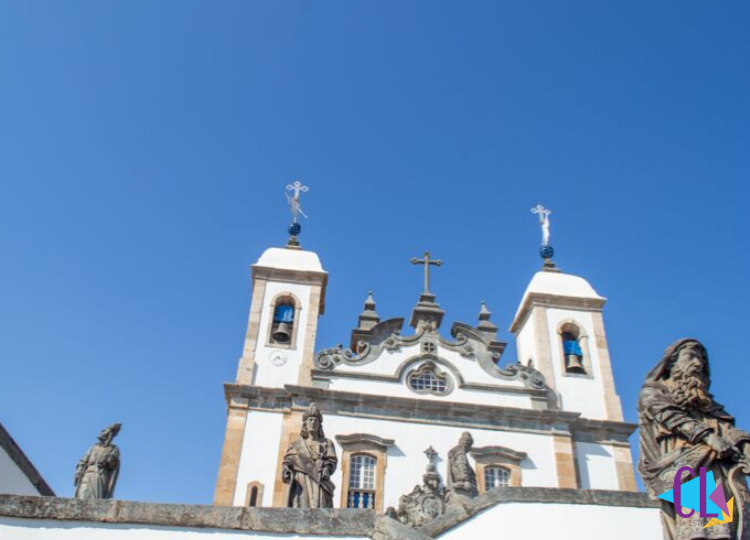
254	494
361	482
428	379
496	477
572	351
284	321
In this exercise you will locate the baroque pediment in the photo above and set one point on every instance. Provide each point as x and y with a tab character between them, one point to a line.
470	343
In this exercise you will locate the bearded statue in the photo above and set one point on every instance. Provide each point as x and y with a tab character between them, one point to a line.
682	425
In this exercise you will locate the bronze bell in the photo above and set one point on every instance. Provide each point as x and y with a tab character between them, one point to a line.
574	363
282	335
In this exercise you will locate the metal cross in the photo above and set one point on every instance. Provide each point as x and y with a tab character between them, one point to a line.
431	454
294	200
543	221
426	262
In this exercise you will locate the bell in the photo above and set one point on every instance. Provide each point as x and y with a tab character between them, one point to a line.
574	363
282	335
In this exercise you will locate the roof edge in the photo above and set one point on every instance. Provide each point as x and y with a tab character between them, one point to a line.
24	463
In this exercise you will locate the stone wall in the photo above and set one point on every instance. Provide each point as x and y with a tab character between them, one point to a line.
517	512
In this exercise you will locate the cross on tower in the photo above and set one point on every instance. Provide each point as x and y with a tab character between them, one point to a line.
427	262
294	200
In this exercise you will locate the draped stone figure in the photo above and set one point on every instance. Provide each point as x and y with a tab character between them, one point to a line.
96	473
682	425
309	463
461	477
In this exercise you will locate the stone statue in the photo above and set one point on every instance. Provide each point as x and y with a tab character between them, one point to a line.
461	477
681	425
424	503
96	473
309	463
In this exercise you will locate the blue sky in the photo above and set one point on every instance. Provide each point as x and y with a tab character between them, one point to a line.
145	145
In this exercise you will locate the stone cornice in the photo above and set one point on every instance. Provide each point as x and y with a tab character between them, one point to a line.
603	431
465	510
486	451
322	374
553	301
277	521
24	463
441	412
366	439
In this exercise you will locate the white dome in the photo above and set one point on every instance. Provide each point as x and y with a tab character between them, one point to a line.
552	284
290	259
559	284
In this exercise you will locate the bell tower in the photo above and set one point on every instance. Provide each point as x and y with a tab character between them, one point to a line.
288	296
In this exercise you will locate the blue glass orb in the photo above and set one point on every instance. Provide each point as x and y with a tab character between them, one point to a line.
546	252
294	229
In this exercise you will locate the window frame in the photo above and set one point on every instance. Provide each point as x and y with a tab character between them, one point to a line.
574	328
373	447
487	468
421	368
284	298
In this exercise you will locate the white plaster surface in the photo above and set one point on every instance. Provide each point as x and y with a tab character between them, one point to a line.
35	529
578	394
267	374
526	344
259	457
290	259
561	522
400	363
406	460
12	479
401	389
596	464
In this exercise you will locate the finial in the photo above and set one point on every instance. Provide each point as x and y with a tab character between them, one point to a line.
546	251
484	313
370	302
295	228
485	325
431	454
369	317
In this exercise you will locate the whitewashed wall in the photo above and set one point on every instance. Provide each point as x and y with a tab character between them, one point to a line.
12	479
596	463
259	458
406	461
266	373
450	362
561	522
578	394
33	529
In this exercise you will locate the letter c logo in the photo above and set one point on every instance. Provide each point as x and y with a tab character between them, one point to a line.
678	494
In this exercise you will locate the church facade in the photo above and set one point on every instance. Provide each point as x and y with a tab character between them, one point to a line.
399	396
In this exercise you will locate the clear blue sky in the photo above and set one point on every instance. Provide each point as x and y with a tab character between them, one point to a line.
145	145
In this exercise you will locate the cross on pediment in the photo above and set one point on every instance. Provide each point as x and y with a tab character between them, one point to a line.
427	262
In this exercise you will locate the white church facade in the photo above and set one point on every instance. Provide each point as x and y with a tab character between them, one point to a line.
551	419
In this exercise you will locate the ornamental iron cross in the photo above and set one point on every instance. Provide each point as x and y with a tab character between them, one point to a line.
427	262
294	200
543	221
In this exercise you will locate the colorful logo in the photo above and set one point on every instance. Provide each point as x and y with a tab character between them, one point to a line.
692	495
